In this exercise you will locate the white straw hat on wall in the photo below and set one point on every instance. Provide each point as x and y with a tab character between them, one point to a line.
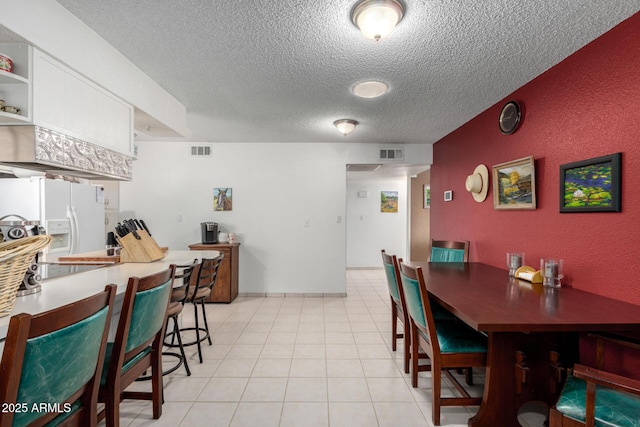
478	183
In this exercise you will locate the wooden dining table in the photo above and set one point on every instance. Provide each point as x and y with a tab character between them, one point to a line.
518	316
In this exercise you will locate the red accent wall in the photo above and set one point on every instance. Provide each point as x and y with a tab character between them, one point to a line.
586	106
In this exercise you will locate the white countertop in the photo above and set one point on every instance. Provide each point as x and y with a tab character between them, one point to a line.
64	290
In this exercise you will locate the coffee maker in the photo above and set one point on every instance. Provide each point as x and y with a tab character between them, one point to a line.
209	232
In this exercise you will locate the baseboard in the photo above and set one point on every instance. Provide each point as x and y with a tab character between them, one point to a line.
293	294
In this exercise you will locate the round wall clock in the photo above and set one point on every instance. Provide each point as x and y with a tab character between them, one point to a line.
509	117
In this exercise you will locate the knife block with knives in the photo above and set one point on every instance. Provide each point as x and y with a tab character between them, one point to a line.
144	249
137	244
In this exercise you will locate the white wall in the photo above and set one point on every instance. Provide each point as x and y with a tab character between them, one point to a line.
368	229
276	188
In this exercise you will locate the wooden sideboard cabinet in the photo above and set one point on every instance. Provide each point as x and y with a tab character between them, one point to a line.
226	287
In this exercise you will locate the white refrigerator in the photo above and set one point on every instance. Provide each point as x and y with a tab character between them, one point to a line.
72	213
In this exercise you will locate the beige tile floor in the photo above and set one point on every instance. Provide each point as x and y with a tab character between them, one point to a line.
299	362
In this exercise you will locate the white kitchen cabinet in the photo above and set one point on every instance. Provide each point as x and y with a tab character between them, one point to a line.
79	106
67	102
15	87
48	87
51	95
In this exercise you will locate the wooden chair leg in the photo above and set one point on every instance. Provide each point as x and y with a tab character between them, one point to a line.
468	376
407	349
112	411
156	383
394	325
414	355
436	387
522	371
557	374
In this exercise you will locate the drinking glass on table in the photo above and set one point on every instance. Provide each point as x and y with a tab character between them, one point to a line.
515	260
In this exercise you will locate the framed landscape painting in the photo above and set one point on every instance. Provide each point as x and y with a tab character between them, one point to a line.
426	190
514	184
591	185
389	201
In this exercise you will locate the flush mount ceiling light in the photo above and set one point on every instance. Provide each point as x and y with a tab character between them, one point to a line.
370	89
345	126
377	18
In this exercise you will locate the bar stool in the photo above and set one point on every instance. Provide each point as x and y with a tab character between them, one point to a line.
207	273
55	359
179	295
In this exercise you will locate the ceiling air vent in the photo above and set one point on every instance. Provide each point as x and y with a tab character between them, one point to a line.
362	168
201	150
391	154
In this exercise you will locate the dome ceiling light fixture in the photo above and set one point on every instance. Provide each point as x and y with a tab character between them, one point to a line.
377	18
370	89
345	126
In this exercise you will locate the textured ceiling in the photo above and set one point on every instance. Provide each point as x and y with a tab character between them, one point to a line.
280	71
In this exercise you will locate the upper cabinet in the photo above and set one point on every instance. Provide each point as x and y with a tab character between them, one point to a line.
56	97
15	87
67	102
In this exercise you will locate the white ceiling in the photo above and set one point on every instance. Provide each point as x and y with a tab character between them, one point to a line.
281	71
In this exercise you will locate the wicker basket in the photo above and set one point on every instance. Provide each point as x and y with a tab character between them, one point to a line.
15	259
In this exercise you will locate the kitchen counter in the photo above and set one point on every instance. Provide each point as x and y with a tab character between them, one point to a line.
64	290
88	258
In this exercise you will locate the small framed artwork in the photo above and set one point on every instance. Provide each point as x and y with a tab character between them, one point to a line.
591	185
514	184
389	201
222	199
426	190
448	196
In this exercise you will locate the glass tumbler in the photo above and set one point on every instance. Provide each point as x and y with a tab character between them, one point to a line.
515	260
552	272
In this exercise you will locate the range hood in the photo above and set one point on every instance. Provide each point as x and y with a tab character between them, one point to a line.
43	150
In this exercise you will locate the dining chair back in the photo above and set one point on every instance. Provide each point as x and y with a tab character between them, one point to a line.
137	345
448	251
398	308
52	363
449	345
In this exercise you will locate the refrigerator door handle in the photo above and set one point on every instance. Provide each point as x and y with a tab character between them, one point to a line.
73	219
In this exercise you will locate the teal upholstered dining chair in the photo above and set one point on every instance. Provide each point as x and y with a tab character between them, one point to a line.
398	308
53	360
593	397
449	345
448	251
137	345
